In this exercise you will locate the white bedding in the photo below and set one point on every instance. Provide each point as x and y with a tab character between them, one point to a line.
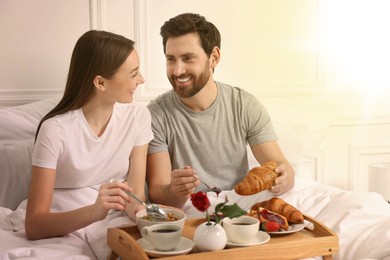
362	221
86	243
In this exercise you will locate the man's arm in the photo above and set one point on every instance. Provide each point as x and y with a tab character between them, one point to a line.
270	151
167	187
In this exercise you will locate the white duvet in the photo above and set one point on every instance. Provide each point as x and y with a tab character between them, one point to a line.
86	243
361	220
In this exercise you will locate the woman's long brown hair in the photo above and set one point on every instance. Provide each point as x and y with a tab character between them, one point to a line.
95	53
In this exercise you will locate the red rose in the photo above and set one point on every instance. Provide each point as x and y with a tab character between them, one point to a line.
200	201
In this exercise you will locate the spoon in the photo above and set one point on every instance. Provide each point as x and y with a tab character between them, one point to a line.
151	209
211	188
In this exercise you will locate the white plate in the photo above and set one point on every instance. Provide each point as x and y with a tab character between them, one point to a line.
261	238
185	245
292	228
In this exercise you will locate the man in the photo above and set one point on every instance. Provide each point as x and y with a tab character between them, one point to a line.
202	127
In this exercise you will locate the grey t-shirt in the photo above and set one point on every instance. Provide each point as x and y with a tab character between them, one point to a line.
212	141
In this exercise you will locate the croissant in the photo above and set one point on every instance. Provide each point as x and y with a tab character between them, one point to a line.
281	207
257	179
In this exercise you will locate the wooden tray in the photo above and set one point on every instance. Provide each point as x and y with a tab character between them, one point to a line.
319	241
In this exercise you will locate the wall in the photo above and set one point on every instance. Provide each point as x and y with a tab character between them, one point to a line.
313	60
37	39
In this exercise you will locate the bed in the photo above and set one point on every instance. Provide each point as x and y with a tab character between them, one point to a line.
361	219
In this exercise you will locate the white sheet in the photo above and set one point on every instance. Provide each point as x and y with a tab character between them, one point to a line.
86	243
362	221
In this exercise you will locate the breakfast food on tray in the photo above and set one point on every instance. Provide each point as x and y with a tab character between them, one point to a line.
281	207
268	217
170	217
270	226
258	179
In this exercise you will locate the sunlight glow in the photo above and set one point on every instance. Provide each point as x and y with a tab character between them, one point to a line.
357	41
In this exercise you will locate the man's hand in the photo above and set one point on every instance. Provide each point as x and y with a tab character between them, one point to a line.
184	182
285	180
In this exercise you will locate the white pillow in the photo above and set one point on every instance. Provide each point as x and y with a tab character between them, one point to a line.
15	172
309	134
20	122
291	138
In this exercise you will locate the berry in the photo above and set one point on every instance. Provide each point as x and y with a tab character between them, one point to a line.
270	226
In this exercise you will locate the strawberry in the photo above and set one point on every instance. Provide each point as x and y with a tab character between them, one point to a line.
270	226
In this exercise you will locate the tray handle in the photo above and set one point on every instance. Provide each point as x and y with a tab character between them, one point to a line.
319	228
123	244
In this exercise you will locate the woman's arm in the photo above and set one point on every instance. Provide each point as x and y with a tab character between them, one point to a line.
42	223
136	178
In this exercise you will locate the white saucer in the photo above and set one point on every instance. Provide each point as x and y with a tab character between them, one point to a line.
185	245
261	238
292	228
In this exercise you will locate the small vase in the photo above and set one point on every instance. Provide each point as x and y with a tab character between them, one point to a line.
210	237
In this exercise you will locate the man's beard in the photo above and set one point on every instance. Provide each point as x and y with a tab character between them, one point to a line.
191	90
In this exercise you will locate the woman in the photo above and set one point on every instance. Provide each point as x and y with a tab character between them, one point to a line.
91	137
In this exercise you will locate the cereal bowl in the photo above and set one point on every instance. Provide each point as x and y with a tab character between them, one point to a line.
175	216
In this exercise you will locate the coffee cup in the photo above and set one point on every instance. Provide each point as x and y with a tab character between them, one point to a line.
163	237
242	229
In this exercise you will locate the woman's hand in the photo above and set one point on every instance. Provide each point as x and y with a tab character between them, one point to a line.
111	196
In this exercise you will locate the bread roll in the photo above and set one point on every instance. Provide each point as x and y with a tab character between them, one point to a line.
258	179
